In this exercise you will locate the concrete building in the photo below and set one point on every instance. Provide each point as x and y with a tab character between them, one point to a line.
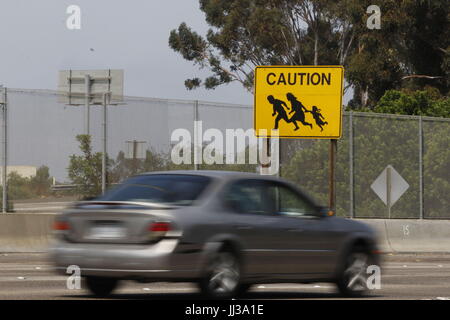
23	171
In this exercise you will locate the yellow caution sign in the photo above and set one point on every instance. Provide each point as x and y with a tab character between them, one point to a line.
299	101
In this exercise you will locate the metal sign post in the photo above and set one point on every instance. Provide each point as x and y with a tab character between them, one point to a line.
135	154
105	104
389	186
4	104
87	85
332	176
92	87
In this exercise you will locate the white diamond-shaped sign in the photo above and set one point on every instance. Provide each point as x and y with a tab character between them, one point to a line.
389	183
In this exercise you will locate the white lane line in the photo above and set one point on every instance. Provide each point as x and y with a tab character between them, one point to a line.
298	287
39	209
416	267
32	278
158	290
22	268
24	204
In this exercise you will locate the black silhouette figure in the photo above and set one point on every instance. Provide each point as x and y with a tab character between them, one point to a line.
278	109
318	117
299	111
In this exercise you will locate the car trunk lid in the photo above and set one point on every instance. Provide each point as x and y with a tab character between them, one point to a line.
117	222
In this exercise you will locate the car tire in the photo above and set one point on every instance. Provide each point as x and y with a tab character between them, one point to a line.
100	286
222	276
243	289
352	280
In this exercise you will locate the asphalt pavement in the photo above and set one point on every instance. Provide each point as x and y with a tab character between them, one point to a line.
404	276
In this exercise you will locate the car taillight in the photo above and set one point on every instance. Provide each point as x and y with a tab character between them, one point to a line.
61	226
162	227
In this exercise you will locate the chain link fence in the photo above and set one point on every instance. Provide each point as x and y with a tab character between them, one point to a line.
140	137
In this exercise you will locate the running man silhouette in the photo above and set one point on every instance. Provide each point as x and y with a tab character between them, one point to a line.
299	111
278	110
318	117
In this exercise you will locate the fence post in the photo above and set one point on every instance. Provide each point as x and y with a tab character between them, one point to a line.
195	133
421	209
104	142
5	150
351	169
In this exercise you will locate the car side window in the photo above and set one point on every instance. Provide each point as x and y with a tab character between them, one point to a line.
288	202
247	196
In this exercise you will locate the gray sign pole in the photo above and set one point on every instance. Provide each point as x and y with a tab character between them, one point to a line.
388	190
87	84
332	176
105	103
92	87
195	142
5	149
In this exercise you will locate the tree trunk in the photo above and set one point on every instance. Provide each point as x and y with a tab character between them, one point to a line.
364	96
316	49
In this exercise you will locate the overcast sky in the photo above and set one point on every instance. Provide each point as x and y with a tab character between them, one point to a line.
131	35
122	34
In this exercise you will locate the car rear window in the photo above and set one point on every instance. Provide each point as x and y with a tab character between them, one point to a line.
168	189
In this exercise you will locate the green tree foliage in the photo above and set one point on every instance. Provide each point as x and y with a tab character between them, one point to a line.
41	182
423	103
10	203
436	162
122	168
411	50
306	163
85	170
378	141
247	33
20	188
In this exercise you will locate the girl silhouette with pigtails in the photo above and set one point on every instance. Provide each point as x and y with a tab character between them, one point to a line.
318	117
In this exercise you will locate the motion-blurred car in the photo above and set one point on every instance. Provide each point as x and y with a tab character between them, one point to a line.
223	230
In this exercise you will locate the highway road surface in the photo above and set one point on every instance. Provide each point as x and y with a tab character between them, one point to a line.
404	276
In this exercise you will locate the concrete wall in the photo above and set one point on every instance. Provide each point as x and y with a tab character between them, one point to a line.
412	235
32	233
28	232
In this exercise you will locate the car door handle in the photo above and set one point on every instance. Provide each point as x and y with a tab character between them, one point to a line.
243	227
295	230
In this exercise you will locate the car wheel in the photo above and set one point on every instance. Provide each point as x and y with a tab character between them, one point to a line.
353	278
222	276
243	289
101	287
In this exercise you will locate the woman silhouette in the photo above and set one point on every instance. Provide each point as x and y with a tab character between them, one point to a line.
299	111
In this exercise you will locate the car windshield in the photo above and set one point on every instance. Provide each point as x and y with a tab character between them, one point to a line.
172	189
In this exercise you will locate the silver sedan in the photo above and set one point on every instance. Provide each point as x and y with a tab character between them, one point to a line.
223	230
